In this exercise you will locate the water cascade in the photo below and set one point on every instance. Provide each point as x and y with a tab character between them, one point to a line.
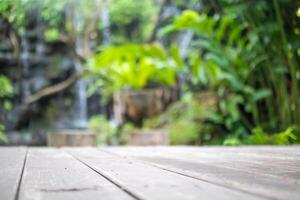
80	104
79	108
25	66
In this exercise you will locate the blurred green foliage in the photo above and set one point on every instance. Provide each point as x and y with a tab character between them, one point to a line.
227	57
260	137
102	128
6	88
6	91
187	121
133	24
3	137
245	52
133	66
132	20
17	11
285	137
272	26
224	62
52	35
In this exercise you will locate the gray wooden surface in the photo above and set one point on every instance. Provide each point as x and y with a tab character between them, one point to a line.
54	174
11	167
150	173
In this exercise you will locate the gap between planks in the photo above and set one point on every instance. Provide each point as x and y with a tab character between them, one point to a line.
21	175
12	162
52	173
110	179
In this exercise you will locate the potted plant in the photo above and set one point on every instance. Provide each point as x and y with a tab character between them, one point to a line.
140	78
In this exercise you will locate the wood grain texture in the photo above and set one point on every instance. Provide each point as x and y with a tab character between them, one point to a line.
53	174
150	173
255	170
11	165
149	182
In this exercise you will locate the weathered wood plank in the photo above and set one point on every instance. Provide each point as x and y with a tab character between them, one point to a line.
149	182
274	161
11	165
220	155
276	152
261	174
53	174
267	164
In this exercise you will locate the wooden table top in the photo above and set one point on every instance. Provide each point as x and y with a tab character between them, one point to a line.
150	173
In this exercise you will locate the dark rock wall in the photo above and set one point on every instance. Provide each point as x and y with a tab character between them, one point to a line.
33	64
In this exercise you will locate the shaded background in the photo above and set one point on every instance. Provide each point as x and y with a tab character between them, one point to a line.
205	71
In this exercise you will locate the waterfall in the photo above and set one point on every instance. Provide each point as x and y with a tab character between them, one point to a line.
80	104
75	115
32	52
24	62
79	118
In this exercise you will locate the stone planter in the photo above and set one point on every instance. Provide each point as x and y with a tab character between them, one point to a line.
70	137
149	137
139	104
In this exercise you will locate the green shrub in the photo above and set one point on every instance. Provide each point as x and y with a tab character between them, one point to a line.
183	132
187	121
133	66
6	88
102	128
131	20
6	91
259	136
232	141
3	137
